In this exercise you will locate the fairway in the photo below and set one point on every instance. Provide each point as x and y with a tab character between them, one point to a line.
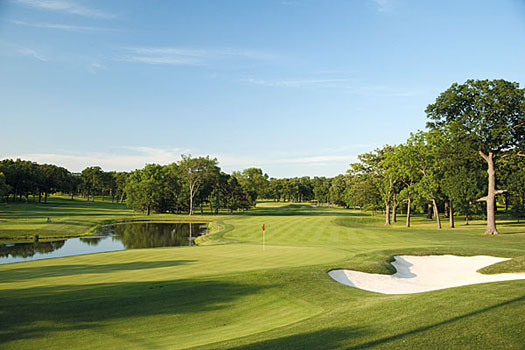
230	293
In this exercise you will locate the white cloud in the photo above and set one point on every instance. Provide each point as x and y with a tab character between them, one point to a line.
319	159
131	158
186	56
298	83
125	159
66	27
31	53
67	7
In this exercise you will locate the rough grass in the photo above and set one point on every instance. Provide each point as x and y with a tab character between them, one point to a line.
232	294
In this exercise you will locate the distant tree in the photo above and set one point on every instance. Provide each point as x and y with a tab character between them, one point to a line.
427	162
489	117
92	181
336	192
120	180
374	166
194	172
4	187
51	179
144	188
362	191
512	177
321	189
254	181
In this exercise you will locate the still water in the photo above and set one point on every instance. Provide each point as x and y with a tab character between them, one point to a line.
109	238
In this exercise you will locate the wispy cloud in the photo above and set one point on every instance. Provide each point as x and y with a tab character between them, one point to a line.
342	84
69	7
322	159
31	53
298	83
186	56
124	159
66	27
383	5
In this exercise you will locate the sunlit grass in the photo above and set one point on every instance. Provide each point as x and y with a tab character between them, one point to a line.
232	293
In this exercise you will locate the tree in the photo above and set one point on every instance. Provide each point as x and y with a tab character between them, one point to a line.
144	188
4	187
489	117
254	181
194	171
321	189
338	186
92	179
374	166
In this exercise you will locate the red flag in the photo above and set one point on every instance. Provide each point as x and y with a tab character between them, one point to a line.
263	227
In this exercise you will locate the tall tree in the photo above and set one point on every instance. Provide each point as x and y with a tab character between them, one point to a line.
489	116
194	172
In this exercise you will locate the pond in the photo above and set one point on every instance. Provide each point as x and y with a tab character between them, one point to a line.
134	235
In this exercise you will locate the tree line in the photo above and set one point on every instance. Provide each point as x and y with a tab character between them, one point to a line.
475	131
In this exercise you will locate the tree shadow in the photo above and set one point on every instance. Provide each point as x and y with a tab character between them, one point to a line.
388	339
25	273
25	313
289	211
327	338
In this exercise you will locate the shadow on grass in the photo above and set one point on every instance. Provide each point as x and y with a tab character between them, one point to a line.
290	211
40	311
342	338
385	340
20	274
329	338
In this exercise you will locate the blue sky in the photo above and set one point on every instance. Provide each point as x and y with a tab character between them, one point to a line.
295	87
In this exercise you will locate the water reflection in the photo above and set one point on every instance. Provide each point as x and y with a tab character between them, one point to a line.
27	250
110	238
152	235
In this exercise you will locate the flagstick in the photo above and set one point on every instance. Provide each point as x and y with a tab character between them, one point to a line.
264	238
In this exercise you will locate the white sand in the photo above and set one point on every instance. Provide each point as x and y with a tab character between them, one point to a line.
416	274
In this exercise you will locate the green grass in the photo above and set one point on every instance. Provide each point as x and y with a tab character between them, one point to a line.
67	218
231	294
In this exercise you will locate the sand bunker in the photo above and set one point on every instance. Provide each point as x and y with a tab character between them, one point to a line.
416	274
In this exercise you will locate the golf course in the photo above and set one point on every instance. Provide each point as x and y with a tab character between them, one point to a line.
230	292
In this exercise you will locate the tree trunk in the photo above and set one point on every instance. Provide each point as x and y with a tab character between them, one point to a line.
429	211
45	197
446	210
387	215
122	197
217	203
408	213
102	195
436	214
394	209
39	197
191	199
450	215
491	196
149	210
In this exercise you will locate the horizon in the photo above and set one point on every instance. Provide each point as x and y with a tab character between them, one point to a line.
296	88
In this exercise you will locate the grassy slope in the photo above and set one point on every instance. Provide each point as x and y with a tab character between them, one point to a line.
21	221
231	294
